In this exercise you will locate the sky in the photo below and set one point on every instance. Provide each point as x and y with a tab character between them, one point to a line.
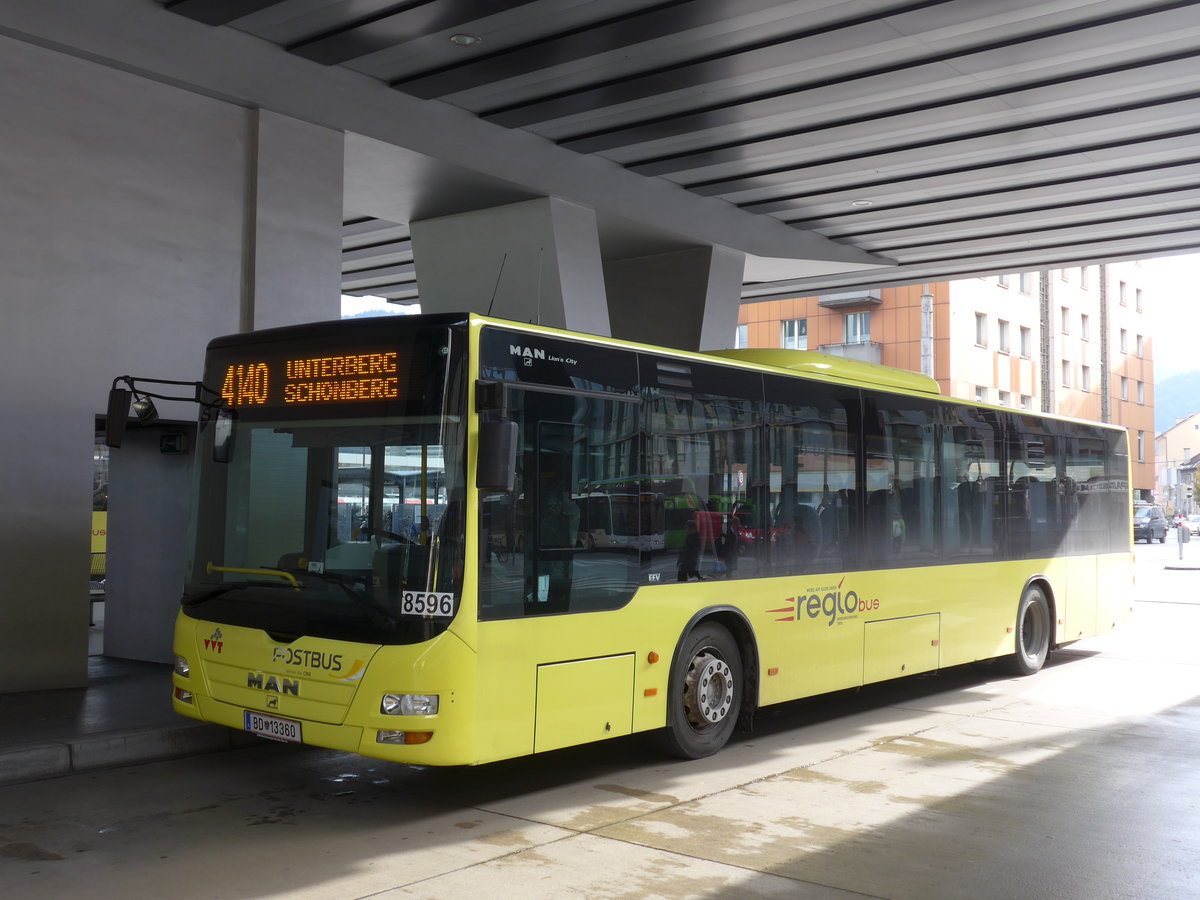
354	306
1173	298
1172	285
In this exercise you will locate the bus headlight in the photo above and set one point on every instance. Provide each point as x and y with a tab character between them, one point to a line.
409	705
182	669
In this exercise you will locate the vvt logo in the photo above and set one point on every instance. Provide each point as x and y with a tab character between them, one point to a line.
216	642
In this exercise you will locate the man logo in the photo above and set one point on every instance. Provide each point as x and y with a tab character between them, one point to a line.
526	352
274	685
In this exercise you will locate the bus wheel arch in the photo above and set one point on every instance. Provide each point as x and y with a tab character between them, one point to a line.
1034	628
713	683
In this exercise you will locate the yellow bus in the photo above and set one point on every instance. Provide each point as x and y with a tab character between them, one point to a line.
880	530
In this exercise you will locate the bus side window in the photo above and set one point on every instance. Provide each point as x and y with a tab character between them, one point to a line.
812	443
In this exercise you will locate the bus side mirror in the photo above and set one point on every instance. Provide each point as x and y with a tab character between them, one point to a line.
223	434
496	469
118	412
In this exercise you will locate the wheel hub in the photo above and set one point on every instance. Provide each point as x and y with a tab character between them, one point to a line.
708	690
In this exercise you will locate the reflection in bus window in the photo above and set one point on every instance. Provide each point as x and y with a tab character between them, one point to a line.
551	546
902	483
814	481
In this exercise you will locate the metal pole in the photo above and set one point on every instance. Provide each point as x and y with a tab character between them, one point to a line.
927	332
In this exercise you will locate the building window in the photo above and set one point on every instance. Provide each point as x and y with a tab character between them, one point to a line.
1026	342
1123	293
1141	446
1124	388
858	328
1083	277
1003	401
1085	378
1141	347
1142	392
1066	372
1062	273
980	330
795	334
980	394
1026	401
1023	282
1137	298
1002	280
1066	320
741	338
1124	341
1002	335
1085	327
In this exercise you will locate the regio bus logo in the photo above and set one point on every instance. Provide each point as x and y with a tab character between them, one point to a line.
830	603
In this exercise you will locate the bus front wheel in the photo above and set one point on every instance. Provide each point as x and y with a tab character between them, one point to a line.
705	694
1033	632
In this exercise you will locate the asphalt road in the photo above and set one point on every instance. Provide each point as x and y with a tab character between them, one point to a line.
1077	783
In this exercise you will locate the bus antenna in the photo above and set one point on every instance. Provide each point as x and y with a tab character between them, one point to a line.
496	287
541	250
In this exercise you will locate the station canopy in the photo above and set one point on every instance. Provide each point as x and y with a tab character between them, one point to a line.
839	143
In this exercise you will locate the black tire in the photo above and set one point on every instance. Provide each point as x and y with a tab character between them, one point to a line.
1161	540
1034	629
704	696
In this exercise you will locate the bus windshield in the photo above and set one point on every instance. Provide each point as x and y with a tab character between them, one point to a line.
338	518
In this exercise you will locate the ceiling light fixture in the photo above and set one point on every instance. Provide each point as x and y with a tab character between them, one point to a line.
861	203
465	40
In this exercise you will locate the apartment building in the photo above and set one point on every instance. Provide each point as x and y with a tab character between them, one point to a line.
1177	458
1073	341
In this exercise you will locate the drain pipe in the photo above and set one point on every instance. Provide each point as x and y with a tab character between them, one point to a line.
926	331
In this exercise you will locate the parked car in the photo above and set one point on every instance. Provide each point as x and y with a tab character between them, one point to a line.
1194	523
1149	523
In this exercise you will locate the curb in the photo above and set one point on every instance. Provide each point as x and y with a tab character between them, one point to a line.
112	749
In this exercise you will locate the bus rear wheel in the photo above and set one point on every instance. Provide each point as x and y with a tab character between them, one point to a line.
705	693
1033	632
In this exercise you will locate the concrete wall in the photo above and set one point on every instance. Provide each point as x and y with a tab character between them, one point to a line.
129	220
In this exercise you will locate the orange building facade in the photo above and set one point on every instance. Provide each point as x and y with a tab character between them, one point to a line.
1072	341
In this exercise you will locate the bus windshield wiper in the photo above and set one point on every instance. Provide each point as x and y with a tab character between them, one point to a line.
376	613
197	599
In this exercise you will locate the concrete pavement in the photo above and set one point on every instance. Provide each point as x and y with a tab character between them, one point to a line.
124	716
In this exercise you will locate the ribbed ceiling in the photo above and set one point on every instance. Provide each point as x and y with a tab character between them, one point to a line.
955	137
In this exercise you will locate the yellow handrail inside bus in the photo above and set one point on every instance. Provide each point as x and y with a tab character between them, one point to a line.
210	568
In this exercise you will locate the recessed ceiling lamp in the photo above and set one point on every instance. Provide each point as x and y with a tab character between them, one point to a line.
861	203
465	40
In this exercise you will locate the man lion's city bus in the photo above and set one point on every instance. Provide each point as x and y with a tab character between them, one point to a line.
386	554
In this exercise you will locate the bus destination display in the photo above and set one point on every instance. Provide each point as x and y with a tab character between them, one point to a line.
352	378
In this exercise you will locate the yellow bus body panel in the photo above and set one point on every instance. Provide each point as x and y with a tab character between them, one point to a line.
556	681
512	687
338	709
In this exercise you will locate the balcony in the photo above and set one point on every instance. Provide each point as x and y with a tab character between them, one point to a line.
863	351
867	297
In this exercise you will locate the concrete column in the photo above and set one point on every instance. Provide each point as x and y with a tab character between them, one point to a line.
687	299
292	270
537	261
149	500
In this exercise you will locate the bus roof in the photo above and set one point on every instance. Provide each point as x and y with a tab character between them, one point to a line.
811	362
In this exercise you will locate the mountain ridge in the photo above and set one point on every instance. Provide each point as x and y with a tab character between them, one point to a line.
1175	398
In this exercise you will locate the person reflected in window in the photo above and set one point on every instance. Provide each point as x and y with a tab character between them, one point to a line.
689	554
729	546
